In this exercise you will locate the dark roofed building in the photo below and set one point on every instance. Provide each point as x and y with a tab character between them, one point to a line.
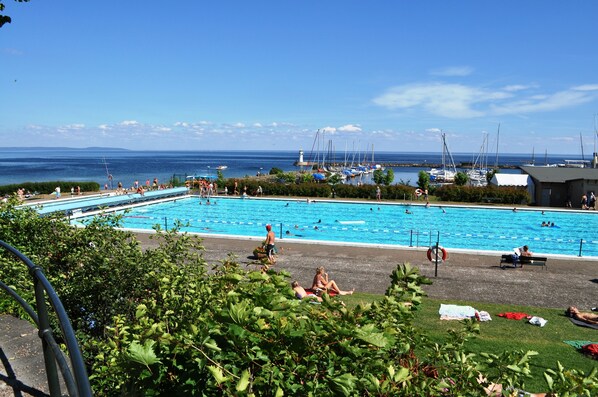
554	186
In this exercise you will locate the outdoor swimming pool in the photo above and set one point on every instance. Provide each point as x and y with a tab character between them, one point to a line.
487	229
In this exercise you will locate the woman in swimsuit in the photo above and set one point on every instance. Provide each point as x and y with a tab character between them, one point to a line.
321	282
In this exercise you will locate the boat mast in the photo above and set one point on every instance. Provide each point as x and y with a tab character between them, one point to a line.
108	175
450	156
497	136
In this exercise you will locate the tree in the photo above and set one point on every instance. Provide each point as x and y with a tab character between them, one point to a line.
220	178
275	171
423	180
490	174
378	177
5	18
334	179
381	179
461	179
390	176
306	177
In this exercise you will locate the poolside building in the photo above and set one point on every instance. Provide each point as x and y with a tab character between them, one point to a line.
514	180
555	186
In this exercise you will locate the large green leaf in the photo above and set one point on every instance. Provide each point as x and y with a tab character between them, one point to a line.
143	354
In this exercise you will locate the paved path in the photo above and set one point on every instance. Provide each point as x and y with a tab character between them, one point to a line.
22	371
473	277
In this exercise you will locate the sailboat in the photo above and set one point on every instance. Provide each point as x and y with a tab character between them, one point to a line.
444	175
477	175
583	163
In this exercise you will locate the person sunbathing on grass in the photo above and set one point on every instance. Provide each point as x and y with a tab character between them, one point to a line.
589	318
321	282
301	293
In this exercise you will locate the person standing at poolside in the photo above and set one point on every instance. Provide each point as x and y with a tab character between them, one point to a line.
378	193
584	202
270	237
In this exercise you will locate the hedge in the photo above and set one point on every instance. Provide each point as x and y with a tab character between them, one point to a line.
49	187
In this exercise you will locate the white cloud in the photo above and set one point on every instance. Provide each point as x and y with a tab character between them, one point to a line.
129	122
457	71
257	125
458	101
328	130
586	87
181	124
448	100
533	104
350	128
516	87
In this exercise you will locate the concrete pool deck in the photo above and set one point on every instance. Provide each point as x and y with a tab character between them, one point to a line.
465	276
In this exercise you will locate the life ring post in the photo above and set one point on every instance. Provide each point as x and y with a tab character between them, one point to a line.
437	254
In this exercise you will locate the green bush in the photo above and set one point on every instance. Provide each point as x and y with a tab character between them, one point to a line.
473	194
49	187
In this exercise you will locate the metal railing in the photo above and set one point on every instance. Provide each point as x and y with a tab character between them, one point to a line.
75	377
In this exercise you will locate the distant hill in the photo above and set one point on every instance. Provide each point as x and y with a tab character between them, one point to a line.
94	148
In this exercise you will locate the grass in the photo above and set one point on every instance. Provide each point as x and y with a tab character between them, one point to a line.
502	334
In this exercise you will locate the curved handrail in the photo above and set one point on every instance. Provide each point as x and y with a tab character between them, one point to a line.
77	381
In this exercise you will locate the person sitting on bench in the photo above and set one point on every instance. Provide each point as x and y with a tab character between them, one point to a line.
524	251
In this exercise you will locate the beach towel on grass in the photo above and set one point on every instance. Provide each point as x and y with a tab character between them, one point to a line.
456	312
312	292
585	346
514	315
591	350
583	323
578	344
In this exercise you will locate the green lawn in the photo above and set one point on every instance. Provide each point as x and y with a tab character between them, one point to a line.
502	334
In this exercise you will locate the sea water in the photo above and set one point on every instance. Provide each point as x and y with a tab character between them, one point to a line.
455	227
18	165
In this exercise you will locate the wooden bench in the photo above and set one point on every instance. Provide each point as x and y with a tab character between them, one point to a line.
523	260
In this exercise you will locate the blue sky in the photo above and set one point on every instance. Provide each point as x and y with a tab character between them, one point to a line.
198	75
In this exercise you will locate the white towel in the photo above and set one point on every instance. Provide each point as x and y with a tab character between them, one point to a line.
538	321
456	311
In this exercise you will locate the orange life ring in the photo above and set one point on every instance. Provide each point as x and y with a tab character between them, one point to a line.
418	192
443	254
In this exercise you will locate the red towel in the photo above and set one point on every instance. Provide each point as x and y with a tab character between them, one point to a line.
591	349
514	315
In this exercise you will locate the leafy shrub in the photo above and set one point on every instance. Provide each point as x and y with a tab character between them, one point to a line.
49	187
473	194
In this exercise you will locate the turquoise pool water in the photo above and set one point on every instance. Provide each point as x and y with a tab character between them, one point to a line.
487	229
